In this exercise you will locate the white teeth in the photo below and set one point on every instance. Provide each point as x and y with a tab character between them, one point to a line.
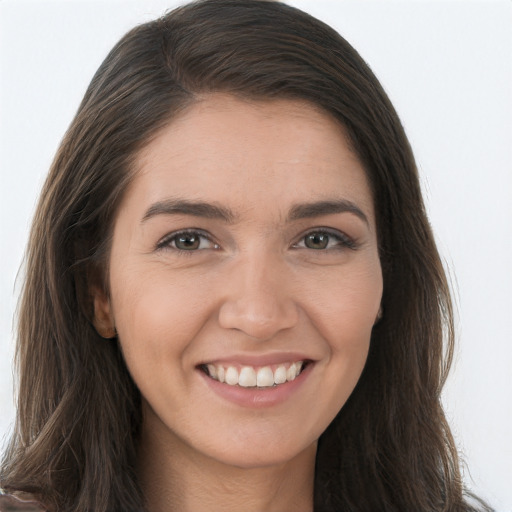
249	377
291	373
212	370
280	375
265	377
231	376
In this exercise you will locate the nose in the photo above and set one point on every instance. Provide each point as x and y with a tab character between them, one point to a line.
258	299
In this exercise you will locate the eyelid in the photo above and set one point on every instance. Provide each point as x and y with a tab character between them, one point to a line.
345	241
165	241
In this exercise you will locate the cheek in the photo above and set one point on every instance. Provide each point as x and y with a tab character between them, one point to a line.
345	322
345	306
154	333
148	311
344	315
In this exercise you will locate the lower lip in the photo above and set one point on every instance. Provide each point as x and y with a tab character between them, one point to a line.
257	397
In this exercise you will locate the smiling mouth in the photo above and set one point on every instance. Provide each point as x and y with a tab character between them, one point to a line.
255	377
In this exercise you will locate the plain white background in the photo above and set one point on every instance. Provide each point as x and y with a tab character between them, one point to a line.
447	67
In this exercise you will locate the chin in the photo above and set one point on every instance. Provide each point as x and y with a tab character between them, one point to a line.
254	451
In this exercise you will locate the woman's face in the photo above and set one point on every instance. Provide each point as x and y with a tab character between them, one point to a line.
244	253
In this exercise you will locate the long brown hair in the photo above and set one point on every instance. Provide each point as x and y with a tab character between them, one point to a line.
75	439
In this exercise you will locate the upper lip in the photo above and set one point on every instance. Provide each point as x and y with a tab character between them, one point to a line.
258	360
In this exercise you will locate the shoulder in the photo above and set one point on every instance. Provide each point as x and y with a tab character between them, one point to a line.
9	503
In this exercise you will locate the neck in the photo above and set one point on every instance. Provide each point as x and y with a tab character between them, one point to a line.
176	478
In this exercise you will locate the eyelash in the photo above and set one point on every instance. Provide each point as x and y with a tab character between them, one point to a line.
343	241
166	241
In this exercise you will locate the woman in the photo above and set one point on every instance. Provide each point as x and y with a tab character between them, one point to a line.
233	296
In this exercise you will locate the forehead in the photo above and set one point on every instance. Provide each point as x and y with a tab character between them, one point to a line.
250	155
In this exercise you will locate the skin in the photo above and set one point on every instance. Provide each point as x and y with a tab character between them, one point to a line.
255	289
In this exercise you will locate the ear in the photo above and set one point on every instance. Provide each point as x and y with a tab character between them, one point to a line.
103	317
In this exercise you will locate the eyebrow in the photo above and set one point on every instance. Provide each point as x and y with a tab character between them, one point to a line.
319	208
213	211
185	207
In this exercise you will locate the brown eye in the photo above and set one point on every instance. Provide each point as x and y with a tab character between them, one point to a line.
316	240
326	241
187	241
